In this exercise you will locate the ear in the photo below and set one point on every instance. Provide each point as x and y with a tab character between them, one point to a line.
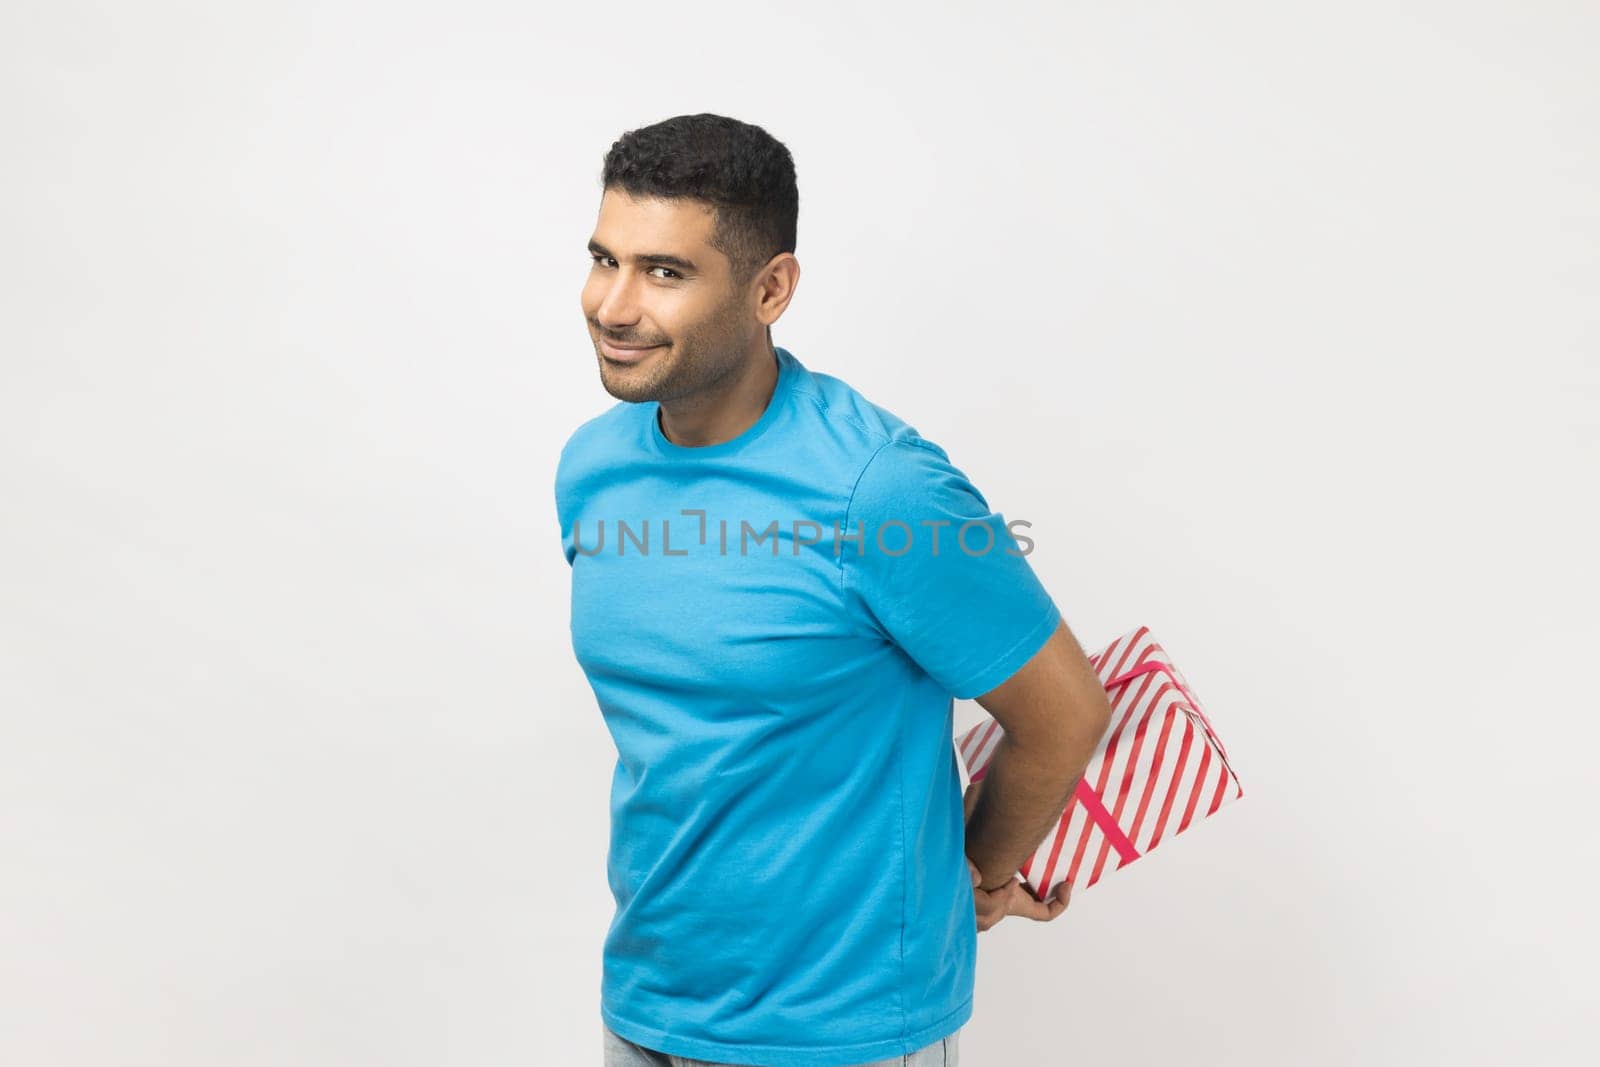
774	285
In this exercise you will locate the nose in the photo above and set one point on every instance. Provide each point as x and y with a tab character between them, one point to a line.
619	306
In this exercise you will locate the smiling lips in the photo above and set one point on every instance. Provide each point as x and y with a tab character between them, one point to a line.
625	353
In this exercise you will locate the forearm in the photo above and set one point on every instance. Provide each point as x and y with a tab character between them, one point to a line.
1023	793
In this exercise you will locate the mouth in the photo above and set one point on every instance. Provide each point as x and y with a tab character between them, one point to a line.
626	353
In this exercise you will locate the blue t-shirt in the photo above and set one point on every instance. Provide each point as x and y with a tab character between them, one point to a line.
787	840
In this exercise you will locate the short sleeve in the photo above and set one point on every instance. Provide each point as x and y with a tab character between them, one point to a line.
938	572
563	492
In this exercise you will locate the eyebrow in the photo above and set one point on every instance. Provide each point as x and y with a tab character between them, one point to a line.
655	259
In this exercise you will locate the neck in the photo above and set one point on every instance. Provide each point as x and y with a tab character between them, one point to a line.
728	408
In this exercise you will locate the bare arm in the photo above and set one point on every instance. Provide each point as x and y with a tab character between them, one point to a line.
1054	712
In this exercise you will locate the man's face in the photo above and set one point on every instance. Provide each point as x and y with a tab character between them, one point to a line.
657	281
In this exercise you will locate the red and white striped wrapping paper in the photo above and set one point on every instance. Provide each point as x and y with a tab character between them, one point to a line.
1158	770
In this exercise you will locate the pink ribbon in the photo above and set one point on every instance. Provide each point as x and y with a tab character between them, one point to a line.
1091	803
1090	800
1194	705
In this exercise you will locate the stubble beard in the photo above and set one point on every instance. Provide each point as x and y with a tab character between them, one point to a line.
699	360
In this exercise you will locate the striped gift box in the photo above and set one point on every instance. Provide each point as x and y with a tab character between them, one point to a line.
1159	768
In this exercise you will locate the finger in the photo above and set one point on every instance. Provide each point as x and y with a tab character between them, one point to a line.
1035	911
1043	911
1059	892
999	891
990	905
1059	899
1023	903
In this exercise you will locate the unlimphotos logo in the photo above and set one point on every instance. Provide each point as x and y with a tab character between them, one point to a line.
892	537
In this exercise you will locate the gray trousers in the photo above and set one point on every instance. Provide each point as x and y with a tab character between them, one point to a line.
620	1052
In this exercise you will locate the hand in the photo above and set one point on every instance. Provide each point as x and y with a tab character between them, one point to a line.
992	904
1023	902
1016	897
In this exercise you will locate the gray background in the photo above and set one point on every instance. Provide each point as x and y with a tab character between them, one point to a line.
1278	322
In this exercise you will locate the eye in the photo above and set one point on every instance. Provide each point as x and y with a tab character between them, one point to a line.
598	259
669	270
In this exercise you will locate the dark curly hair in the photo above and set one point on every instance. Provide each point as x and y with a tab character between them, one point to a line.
741	170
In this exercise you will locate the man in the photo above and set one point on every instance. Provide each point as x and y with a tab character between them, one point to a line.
787	824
